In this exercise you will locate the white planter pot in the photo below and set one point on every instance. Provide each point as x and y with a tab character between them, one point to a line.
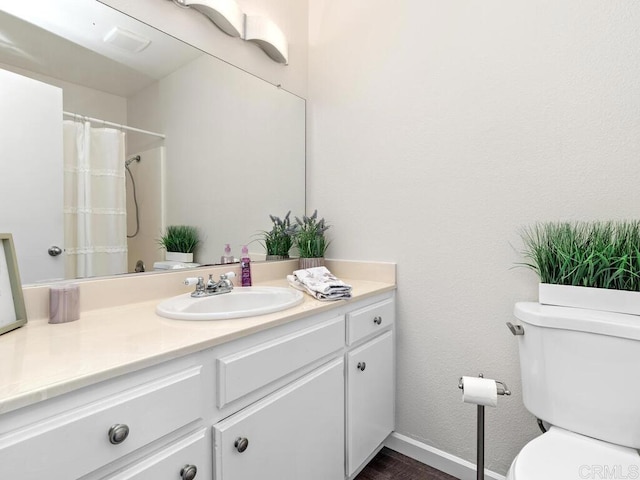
179	257
608	300
304	263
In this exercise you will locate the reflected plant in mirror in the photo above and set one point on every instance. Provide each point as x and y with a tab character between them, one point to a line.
181	239
279	240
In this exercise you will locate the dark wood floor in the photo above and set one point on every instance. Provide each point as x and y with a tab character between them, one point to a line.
391	465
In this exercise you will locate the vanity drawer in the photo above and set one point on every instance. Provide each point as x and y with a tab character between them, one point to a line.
253	368
187	456
369	320
78	441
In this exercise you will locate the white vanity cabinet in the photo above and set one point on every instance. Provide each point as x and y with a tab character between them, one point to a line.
311	398
295	428
325	423
80	433
295	433
370	375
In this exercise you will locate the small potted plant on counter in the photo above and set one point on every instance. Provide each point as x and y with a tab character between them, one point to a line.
594	265
310	240
279	240
179	241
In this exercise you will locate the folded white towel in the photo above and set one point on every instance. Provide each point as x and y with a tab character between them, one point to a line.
320	283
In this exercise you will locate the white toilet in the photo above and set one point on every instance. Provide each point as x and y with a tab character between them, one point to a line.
581	374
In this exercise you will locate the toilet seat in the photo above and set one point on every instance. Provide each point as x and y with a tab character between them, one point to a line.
563	455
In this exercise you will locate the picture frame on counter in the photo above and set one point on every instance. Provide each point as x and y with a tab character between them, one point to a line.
13	313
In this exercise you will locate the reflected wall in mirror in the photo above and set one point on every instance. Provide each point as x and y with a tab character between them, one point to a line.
233	150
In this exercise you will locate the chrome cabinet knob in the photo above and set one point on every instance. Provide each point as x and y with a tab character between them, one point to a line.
361	366
118	433
377	320
188	472
241	444
54	251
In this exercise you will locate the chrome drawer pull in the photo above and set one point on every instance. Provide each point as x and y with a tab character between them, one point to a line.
377	320
241	444
118	433
188	472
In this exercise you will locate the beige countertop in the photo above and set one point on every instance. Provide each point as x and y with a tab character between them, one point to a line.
42	360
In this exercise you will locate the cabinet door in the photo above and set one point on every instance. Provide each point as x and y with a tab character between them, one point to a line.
295	433
370	398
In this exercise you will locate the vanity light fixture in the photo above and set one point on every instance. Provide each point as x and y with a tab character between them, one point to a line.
228	17
268	36
226	14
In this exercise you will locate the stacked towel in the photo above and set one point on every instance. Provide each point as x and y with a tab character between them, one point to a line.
320	283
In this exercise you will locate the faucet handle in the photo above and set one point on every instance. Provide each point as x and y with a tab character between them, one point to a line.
193	280
225	279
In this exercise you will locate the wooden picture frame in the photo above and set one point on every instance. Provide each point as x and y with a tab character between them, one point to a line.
13	313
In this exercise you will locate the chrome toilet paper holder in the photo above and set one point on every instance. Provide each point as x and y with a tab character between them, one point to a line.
502	389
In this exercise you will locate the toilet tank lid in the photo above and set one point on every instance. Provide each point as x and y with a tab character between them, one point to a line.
562	455
579	319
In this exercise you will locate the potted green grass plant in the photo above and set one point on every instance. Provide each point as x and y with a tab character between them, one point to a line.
593	265
279	240
310	240
179	241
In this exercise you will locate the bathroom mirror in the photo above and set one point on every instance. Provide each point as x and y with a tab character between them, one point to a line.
233	150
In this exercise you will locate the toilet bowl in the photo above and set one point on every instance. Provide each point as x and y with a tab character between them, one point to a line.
580	373
563	455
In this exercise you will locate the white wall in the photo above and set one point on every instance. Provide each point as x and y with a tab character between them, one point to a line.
235	152
194	28
80	99
437	129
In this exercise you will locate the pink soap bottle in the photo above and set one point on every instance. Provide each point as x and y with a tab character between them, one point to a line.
227	257
245	267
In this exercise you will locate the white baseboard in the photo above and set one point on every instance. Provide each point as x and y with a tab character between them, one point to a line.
435	458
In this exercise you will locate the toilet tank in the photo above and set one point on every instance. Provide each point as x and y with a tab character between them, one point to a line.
581	370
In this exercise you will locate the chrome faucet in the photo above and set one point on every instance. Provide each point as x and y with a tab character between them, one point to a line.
211	287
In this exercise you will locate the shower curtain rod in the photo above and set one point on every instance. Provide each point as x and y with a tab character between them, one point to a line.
111	124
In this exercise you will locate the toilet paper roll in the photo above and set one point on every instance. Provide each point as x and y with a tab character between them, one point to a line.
480	391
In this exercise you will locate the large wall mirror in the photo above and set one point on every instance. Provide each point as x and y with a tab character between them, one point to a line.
220	149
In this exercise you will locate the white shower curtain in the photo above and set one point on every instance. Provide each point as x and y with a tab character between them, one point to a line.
95	220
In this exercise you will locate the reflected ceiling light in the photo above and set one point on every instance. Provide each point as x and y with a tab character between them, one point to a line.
126	40
268	36
226	14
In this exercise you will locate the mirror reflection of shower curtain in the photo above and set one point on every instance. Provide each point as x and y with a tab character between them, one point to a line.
95	221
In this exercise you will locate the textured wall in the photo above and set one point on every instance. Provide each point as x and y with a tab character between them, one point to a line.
437	129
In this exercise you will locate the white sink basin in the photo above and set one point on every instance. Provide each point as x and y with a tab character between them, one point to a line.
240	302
